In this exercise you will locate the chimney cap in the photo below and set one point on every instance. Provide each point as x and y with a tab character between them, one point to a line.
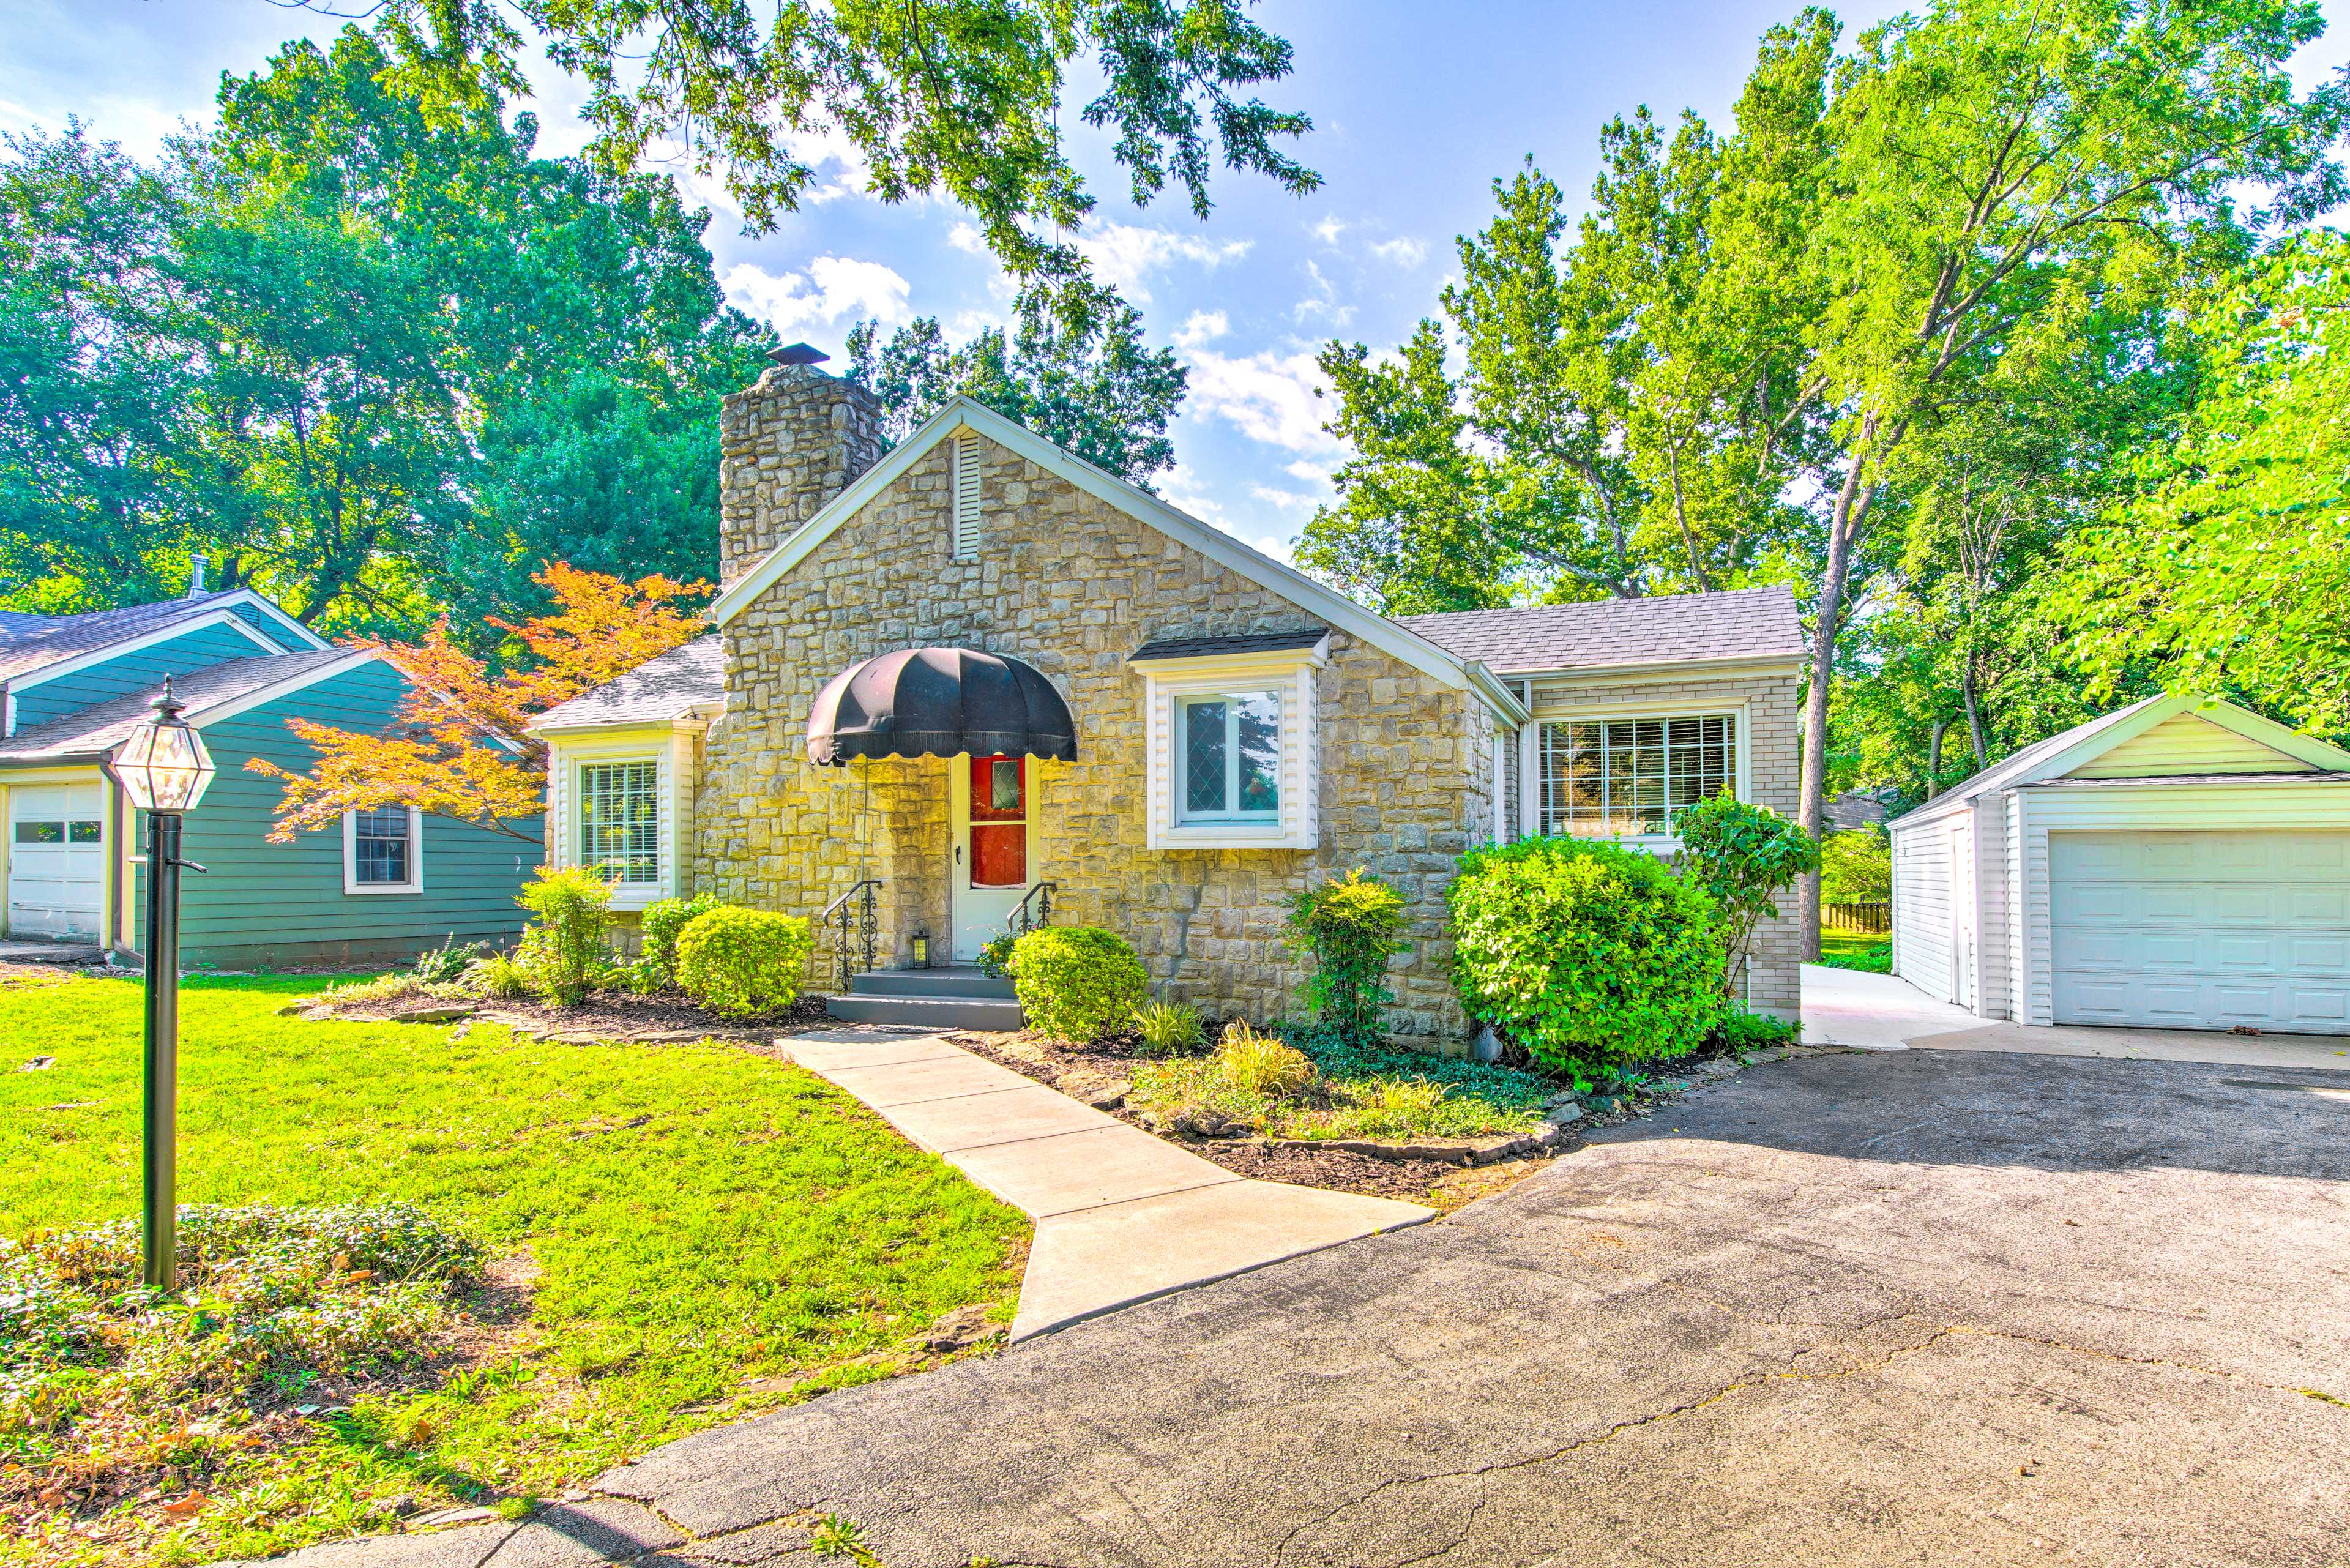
797	354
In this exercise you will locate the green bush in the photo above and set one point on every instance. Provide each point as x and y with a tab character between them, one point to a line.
740	962
568	948
1169	1030
1856	868
1350	928
663	923
1738	1031
1077	982
1589	953
1743	855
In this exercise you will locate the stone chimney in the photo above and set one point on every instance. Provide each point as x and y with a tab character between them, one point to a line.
787	445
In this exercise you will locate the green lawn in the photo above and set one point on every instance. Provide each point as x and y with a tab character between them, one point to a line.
1850	949
698	1216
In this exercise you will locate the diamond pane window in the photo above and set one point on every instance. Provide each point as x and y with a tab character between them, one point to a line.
1231	758
380	847
619	820
1628	778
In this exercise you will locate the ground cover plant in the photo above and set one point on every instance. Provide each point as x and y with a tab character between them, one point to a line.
667	1234
1315	1083
1870	953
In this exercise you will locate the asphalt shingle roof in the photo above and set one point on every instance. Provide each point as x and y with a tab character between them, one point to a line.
30	641
687	677
91	731
1740	623
1201	646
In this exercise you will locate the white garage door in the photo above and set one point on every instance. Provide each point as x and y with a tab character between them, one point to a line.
2202	931
56	861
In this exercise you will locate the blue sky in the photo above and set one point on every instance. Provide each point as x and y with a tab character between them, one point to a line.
1418	107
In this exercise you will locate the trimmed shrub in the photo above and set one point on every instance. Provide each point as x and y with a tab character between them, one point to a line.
1349	928
663	923
740	962
1592	955
1743	855
1077	982
568	948
1169	1030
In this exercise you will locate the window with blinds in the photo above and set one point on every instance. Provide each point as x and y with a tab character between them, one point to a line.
619	820
966	496
1628	778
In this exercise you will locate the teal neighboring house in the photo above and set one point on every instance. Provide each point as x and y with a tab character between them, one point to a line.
72	688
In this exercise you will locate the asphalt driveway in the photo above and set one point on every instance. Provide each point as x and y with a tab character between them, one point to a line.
1926	1307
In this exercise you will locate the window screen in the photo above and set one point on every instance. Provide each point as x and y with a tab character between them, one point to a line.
619	820
1627	778
380	847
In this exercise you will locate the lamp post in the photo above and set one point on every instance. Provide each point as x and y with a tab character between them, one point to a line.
162	768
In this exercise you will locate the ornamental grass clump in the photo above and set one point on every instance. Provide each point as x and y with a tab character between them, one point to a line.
740	963
1350	928
1169	1029
1078	983
1261	1066
1589	954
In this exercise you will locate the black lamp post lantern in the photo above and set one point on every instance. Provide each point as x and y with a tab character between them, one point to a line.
164	770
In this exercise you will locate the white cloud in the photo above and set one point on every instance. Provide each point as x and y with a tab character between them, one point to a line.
833	289
1124	254
1267	397
967	237
1323	301
1312	473
1402	252
1285	499
1328	230
1201	327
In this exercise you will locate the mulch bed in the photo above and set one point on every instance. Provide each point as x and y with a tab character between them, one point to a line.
1076	1070
611	1016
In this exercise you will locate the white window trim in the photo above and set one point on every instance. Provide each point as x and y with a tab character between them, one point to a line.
1741	778
355	887
625	895
1288	674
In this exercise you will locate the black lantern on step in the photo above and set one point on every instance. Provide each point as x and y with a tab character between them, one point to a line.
164	770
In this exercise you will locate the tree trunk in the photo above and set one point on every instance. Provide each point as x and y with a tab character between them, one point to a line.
1851	509
1974	713
1934	758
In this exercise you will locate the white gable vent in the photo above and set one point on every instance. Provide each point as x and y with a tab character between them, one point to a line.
966	495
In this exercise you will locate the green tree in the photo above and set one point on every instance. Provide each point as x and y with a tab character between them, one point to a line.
1092	387
2231	573
1633	405
962	96
1999	171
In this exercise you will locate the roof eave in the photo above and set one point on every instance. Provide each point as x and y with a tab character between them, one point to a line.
1759	663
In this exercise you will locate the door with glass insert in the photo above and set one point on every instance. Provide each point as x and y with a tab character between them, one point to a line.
988	864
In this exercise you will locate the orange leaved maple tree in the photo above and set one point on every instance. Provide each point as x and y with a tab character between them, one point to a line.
458	748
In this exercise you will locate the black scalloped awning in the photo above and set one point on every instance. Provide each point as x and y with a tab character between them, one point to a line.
936	702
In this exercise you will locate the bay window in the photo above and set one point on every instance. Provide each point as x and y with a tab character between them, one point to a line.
620	821
1229	762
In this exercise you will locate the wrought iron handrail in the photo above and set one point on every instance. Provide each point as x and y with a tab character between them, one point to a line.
854	915
1024	920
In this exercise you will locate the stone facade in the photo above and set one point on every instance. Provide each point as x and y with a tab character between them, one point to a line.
787	445
1072	585
1773	739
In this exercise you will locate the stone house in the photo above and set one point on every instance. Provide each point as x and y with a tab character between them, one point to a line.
1240	730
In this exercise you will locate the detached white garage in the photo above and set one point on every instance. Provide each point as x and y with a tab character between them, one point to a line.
2181	864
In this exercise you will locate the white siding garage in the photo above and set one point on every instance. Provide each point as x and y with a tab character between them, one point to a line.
2190	930
56	861
2181	864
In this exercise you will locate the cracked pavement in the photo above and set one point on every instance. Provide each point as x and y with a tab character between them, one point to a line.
1930	1307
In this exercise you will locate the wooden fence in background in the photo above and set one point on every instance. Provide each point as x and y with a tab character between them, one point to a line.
1864	920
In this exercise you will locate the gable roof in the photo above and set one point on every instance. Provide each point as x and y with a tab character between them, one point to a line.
2060	754
690	676
962	412
209	694
33	642
1740	624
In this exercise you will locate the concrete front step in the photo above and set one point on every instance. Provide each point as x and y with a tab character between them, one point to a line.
957	982
995	1012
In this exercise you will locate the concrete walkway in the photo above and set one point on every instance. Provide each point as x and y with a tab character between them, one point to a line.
1121	1216
1880	1013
